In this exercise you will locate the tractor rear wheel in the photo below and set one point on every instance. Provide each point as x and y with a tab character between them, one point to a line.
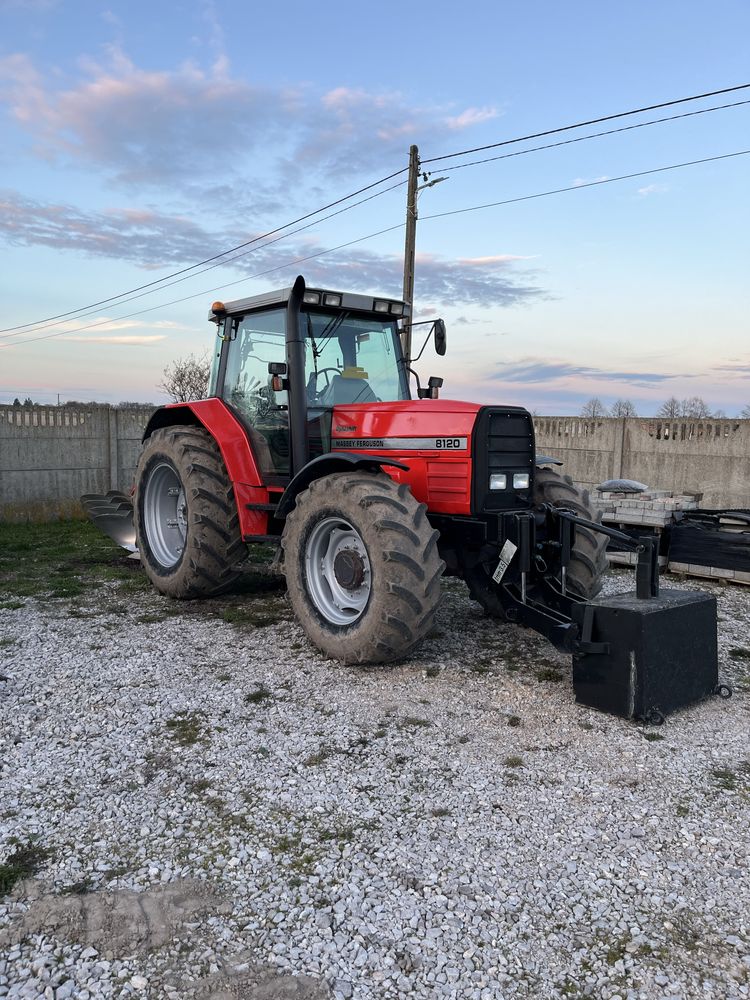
362	567
186	521
588	560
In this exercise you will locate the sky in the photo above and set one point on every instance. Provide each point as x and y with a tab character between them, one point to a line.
140	139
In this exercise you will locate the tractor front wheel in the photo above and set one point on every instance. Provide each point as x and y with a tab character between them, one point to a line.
186	521
362	567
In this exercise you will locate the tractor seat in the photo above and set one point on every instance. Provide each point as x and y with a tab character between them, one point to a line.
347	390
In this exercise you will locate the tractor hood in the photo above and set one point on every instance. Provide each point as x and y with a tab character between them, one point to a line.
407	425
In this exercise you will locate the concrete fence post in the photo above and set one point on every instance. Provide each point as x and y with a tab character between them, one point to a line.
619	447
114	457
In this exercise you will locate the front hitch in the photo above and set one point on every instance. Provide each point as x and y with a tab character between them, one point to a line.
640	655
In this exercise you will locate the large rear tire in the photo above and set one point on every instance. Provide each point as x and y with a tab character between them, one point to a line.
362	567
588	560
186	521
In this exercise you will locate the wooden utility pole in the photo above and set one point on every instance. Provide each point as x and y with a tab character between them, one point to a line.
410	246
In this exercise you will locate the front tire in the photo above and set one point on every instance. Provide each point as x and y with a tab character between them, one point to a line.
362	567
186	521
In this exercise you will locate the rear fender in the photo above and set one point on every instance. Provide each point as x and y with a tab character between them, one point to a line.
232	441
326	465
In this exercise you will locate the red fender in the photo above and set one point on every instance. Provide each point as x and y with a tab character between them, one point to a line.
232	441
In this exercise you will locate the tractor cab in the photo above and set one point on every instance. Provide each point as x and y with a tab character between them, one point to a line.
283	362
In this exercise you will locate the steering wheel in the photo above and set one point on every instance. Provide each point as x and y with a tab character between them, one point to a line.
324	371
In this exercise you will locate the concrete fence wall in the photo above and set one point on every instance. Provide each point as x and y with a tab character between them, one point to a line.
50	455
705	456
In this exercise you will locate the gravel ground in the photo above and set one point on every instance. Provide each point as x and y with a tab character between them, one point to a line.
201	805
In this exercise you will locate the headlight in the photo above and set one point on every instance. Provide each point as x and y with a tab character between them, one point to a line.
498	481
520	480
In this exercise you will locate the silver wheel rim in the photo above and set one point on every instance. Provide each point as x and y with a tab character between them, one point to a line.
331	538
165	514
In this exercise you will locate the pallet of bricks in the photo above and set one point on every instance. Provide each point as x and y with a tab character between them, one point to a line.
636	514
692	541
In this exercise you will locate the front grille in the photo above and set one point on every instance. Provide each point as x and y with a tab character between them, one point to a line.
503	441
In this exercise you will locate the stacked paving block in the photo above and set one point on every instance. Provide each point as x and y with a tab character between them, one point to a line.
652	511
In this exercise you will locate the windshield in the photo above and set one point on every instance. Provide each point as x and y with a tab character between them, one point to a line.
351	359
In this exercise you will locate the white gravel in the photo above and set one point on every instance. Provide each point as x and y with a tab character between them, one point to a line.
454	826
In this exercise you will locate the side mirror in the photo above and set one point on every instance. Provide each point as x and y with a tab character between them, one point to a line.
441	340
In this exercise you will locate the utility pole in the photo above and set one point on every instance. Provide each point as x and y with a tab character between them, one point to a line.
410	246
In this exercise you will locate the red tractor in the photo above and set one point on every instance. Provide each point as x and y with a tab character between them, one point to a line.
310	439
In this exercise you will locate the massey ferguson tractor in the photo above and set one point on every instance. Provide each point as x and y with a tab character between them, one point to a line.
309	438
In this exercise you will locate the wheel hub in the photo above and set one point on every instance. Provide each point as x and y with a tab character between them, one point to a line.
337	568
349	569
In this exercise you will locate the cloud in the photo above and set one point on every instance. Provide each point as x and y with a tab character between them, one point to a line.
472	116
157	126
134	340
644	192
153	240
533	371
503	258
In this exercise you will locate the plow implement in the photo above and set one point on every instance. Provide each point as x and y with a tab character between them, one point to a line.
112	513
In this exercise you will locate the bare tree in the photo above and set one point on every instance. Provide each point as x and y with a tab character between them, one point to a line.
720	414
746	412
695	407
594	408
671	408
622	408
187	378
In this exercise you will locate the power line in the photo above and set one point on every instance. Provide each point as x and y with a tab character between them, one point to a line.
216	288
591	121
587	184
208	260
20	332
167	281
593	135
390	229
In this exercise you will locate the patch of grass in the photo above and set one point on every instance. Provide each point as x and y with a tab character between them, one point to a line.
652	737
725	778
199	786
224	677
11	605
60	559
319	757
24	862
440	811
252	615
259	695
187	728
380	734
413	722
8	640
682	810
78	888
513	761
549	673
432	671
739	653
514	721
616	951
586	725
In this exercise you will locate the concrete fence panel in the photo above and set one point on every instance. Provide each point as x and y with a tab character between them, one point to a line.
50	455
